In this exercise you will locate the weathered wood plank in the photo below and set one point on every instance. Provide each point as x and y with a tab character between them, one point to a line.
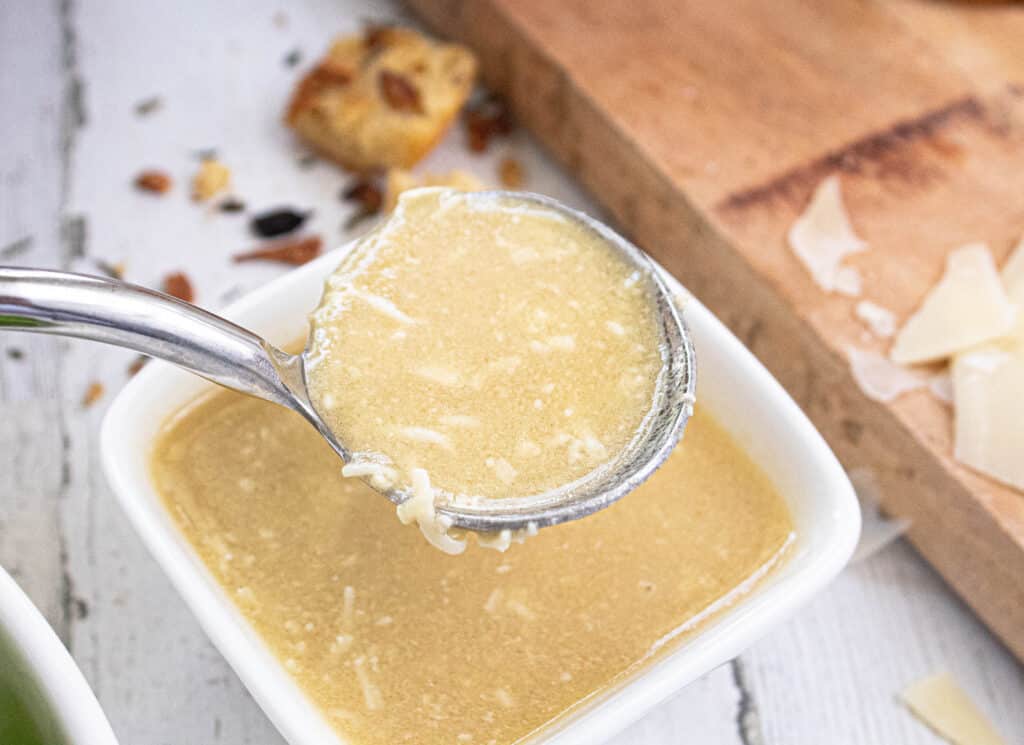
32	442
832	675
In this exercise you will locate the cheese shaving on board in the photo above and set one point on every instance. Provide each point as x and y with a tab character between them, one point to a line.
880	320
988	387
967	307
880	378
941	386
1013	274
822	237
942	705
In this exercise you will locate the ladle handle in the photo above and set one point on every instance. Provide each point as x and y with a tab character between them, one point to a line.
149	322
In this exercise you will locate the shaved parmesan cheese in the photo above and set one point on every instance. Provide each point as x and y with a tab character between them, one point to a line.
1013	274
822	237
880	320
880	378
381	477
425	434
988	387
967	307
371	693
419	508
500	541
348	607
493	601
437	374
942	705
502	469
460	420
941	386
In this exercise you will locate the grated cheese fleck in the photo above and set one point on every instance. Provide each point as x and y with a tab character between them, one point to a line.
419	508
425	434
371	693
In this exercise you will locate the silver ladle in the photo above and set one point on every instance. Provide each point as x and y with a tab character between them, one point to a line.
161	326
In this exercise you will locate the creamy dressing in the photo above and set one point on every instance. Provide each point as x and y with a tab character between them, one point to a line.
490	345
395	642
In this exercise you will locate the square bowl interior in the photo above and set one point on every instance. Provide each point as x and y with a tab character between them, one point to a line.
742	396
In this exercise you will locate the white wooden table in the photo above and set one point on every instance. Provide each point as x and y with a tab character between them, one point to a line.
71	73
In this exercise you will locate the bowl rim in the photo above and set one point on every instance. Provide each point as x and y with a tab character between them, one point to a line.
69	700
731	630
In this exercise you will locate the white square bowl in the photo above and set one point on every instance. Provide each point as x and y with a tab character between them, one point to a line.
740	393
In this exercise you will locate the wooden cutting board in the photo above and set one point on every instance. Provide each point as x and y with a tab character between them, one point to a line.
704	127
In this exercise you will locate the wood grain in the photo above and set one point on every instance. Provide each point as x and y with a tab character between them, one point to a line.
703	127
826	676
33	477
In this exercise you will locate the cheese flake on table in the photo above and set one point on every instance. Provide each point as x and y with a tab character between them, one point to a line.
822	237
968	306
942	705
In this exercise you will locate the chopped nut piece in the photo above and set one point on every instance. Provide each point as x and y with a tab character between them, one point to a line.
356	105
137	364
399	181
178	285
510	172
232	204
399	92
148	106
153	181
114	271
212	178
485	120
92	394
289	251
327	76
16	248
366	194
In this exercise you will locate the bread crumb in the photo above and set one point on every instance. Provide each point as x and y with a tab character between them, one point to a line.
92	394
211	179
511	174
381	99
